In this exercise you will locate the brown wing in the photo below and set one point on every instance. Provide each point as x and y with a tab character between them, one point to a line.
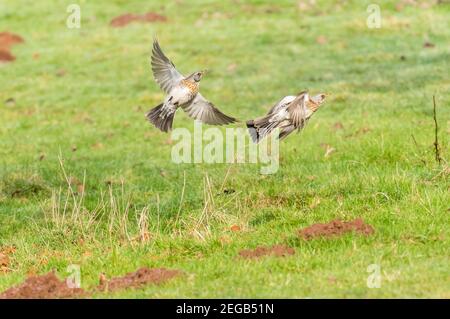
203	110
297	111
285	131
164	71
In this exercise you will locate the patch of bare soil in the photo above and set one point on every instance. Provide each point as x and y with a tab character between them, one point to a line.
7	40
336	228
139	278
258	252
42	287
127	18
6	56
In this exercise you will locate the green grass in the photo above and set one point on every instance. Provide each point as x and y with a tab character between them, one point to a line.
378	172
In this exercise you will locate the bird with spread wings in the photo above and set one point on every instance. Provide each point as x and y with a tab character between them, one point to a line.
181	92
290	114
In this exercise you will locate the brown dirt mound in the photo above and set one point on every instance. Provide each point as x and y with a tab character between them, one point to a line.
335	228
139	278
127	18
258	252
5	56
42	287
7	40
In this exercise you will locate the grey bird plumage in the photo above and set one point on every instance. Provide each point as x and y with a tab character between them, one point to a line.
290	114
181	92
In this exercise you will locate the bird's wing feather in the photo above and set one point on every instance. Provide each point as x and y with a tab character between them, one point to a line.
164	71
297	112
203	110
281	104
285	131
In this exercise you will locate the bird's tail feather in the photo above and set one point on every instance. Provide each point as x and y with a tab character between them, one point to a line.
253	131
261	127
164	123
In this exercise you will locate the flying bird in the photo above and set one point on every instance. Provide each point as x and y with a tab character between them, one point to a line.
181	92
290	114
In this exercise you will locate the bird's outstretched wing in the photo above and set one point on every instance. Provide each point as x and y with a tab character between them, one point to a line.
281	104
203	110
297	111
164	71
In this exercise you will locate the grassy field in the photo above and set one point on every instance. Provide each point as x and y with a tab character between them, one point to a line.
72	110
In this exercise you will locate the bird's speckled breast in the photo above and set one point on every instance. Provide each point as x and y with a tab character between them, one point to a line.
193	87
312	105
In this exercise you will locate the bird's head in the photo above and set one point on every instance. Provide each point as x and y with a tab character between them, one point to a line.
197	76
